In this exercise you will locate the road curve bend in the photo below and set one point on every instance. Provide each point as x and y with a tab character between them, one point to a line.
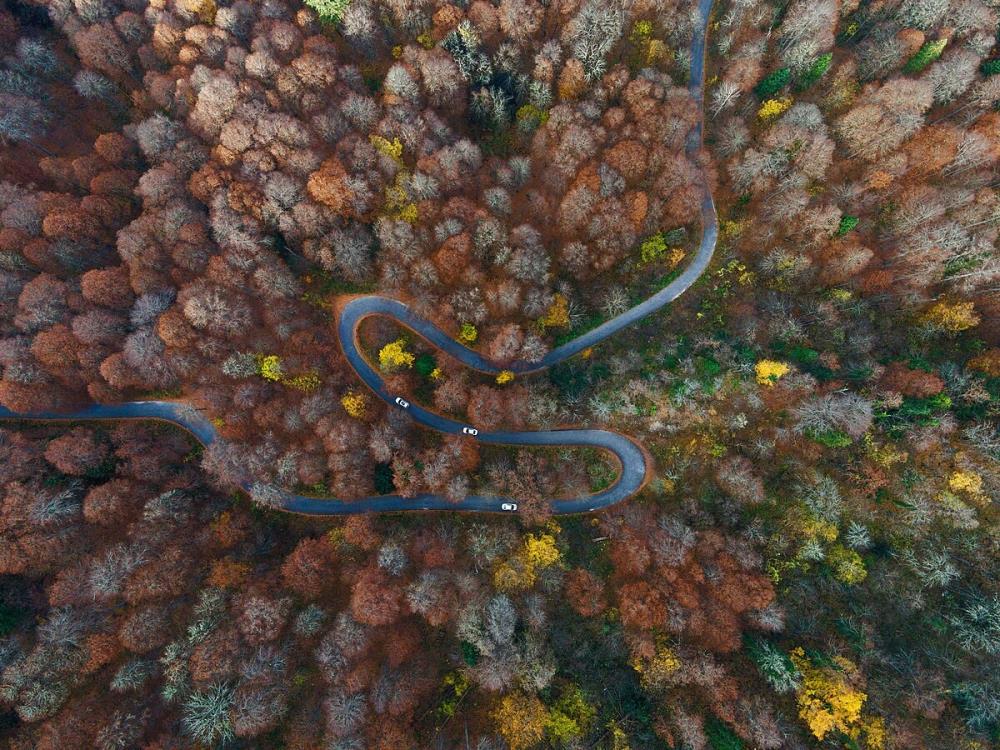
633	461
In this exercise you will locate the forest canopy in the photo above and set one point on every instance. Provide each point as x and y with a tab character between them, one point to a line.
191	189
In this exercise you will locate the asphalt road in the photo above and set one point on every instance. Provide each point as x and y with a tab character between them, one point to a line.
631	458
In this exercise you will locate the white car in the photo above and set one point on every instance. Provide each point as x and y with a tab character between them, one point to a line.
402	402
508	506
470	431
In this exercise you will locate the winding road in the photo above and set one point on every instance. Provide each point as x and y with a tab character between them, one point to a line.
634	462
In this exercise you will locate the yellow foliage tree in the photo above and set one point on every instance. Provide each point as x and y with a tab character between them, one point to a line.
270	367
954	504
540	550
393	149
306	382
811	527
557	316
617	739
204	9
520	571
355	404
848	567
773	108
730	229
875	733
649	50
468	333
505	376
397	199
657	671
521	720
569	717
769	371
966	481
827	700
394	356
951	317
514	575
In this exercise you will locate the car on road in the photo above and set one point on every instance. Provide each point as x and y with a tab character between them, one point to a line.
470	431
402	402
508	506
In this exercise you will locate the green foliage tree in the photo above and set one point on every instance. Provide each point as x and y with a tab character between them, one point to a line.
774	664
425	364
773	83
721	737
815	71
830	438
570	717
927	54
206	715
329	11
383	479
979	704
847	223
990	67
